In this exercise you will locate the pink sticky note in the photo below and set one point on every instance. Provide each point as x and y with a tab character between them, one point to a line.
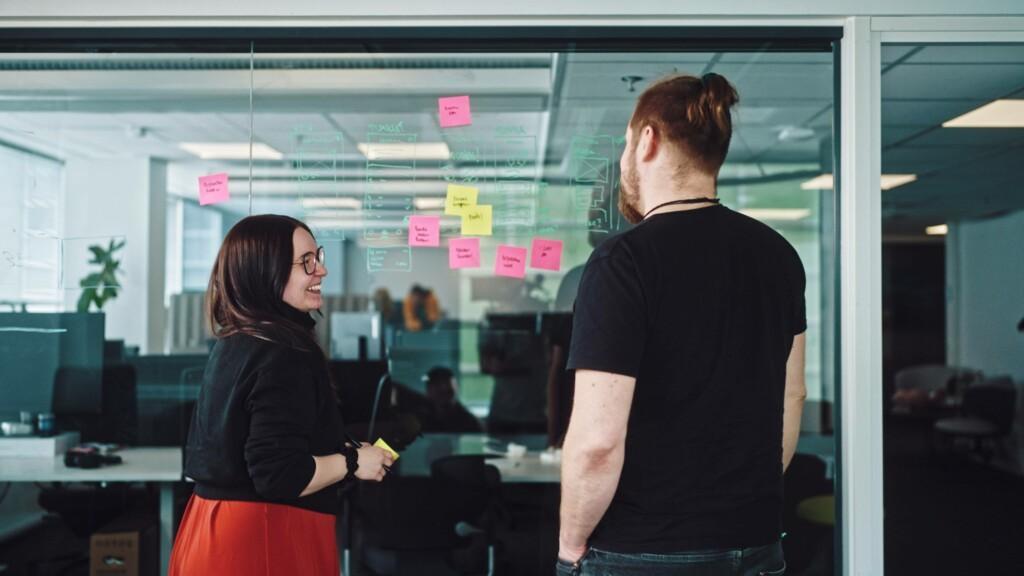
454	111
424	230
464	253
546	254
213	189
510	261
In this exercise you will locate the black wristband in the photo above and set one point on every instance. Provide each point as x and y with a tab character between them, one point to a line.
351	454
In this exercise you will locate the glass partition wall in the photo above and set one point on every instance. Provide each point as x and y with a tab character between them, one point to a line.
457	187
953	317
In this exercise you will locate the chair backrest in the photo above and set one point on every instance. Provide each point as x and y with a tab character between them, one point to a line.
994	400
925	377
470	484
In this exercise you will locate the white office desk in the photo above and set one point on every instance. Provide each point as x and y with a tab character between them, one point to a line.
529	469
160	465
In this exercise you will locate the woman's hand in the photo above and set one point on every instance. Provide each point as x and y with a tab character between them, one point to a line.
374	462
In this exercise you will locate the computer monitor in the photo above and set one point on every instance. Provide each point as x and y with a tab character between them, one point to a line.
356	336
35	346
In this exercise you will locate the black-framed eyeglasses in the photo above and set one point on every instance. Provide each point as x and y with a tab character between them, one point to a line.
310	260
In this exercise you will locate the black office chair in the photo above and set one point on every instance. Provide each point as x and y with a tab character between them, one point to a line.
988	413
471	487
441	525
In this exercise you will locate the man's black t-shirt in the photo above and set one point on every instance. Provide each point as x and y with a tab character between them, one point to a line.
701	307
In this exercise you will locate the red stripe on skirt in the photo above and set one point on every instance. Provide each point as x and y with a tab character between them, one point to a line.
228	538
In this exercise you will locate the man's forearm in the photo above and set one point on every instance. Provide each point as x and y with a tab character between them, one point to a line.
793	408
589	480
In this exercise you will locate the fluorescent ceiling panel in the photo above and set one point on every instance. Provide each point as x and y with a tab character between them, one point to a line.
404	151
997	114
788	214
937	230
231	150
889	181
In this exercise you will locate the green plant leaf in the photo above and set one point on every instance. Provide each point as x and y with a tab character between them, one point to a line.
85	299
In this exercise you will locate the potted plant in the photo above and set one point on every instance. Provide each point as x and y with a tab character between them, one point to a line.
101	286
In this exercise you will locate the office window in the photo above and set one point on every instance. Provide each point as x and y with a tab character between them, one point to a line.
164	149
953	317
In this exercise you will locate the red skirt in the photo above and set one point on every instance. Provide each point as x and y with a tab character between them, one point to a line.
228	538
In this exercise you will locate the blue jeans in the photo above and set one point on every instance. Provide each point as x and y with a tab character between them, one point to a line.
759	561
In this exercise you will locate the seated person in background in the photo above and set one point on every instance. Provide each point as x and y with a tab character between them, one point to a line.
443	412
420	309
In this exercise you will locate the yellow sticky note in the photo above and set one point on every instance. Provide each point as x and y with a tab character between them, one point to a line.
476	220
459	198
380	443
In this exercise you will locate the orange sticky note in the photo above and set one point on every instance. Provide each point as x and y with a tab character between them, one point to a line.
510	262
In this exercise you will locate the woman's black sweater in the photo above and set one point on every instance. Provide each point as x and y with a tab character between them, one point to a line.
264	410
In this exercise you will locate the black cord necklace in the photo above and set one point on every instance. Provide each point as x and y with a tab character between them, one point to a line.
683	201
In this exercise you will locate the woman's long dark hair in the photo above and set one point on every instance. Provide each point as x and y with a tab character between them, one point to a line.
248	280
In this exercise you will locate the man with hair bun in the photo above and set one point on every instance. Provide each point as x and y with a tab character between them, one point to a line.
688	352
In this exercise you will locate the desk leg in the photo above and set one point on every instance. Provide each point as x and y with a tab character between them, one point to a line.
166	525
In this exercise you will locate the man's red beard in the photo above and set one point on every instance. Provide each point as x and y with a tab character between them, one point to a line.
629	195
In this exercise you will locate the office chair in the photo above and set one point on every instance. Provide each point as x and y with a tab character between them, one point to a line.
987	416
471	487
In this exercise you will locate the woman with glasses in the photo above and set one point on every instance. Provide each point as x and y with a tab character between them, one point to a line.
264	447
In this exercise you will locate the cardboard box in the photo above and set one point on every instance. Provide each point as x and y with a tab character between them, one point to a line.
127	546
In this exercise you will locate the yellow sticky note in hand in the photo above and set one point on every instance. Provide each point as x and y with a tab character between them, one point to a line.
459	198
476	221
380	443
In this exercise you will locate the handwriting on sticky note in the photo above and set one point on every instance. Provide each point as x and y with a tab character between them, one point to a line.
546	254
463	253
510	261
454	111
459	198
213	189
476	220
424	230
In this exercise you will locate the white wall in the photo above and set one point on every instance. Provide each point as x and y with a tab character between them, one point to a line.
985	280
123	197
321	8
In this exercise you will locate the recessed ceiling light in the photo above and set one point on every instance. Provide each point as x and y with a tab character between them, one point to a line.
996	114
349	203
937	230
777	213
404	151
231	150
428	203
888	182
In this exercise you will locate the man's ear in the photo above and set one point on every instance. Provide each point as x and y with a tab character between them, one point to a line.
647	148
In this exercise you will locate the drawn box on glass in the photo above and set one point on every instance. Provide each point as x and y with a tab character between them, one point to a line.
78	268
514	156
597	220
516	204
586	197
320	156
593	169
389	259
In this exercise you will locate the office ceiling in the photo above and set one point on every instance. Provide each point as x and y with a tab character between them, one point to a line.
102	105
